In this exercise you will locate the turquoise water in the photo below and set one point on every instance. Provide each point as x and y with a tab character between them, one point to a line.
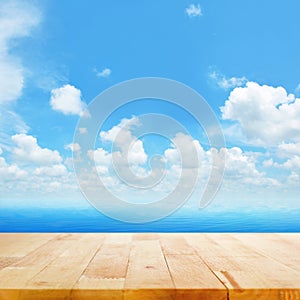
90	220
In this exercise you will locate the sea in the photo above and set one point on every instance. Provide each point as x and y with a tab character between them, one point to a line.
91	220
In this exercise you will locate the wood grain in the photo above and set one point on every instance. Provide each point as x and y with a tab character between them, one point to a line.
141	266
247	272
148	276
104	278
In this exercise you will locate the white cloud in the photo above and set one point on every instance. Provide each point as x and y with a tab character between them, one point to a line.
10	172
131	150
28	151
193	10
291	164
53	171
238	165
240	168
288	149
294	179
291	152
36	173
67	99
101	157
287	156
104	73
11	80
267	115
74	147
249	172
42	185
136	153
268	163
10	124
227	83
187	146
17	19
125	126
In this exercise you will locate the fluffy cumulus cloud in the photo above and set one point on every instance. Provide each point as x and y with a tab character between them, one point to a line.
267	115
289	155
28	151
188	147
17	20
241	168
130	149
102	159
194	10
136	153
53	171
292	164
67	99
28	170
121	130
9	172
127	148
104	73
288	149
227	83
294	179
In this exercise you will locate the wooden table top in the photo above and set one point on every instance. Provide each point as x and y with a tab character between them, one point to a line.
148	266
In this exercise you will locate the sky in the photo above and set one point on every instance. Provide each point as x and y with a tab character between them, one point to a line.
241	56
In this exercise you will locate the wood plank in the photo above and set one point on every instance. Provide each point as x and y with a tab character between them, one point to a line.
104	277
14	278
193	279
291	238
148	276
71	263
19	244
150	266
145	236
249	276
7	261
230	246
175	244
275	247
205	246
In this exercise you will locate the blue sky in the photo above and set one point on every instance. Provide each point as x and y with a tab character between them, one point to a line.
241	56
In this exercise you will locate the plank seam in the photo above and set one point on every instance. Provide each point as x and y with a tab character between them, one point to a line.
54	258
164	255
87	265
57	237
197	253
40	246
127	266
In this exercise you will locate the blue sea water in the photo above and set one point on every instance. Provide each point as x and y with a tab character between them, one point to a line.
90	220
